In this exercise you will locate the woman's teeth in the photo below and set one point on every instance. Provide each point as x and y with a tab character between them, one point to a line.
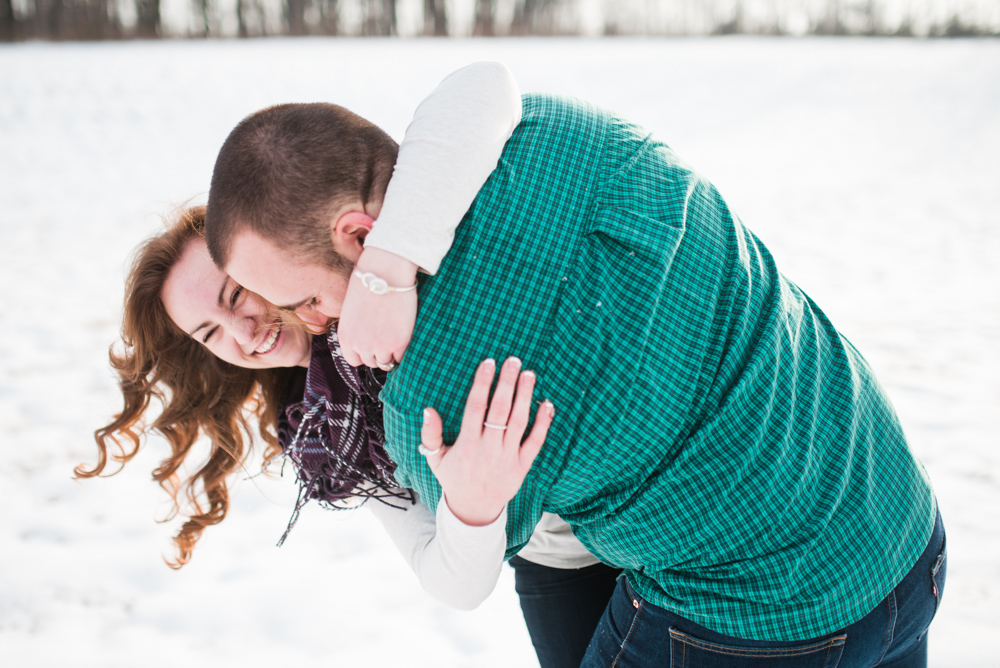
269	342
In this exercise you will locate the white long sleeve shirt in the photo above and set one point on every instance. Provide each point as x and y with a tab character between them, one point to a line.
449	150
459	564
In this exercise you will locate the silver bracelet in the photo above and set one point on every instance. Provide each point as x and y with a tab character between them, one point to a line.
379	286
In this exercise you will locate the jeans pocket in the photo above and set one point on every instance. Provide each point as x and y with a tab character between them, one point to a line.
687	651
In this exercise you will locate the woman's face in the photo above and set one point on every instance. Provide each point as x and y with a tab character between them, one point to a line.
235	327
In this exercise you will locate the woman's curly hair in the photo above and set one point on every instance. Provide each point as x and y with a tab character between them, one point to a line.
198	394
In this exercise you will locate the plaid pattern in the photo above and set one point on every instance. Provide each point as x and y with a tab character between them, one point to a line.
333	436
715	435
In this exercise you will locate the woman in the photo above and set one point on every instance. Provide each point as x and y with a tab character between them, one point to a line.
203	347
199	393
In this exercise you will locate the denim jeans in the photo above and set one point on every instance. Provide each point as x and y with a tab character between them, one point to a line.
561	607
634	632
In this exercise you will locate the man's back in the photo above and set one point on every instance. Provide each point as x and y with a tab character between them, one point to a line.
715	435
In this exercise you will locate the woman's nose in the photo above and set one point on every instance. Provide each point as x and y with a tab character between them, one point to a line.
243	329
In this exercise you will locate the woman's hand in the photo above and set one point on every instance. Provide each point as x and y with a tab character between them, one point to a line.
485	467
374	330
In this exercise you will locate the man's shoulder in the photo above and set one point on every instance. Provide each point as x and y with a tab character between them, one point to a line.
570	114
564	141
556	150
556	104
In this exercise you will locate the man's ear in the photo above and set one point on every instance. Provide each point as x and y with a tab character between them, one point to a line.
348	234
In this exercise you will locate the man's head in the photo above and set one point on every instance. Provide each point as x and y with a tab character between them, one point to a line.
294	192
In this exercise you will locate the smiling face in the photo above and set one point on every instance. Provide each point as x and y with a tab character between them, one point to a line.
217	312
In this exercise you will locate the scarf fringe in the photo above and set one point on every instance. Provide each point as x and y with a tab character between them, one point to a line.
349	465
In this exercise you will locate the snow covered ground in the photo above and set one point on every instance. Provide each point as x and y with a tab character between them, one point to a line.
869	167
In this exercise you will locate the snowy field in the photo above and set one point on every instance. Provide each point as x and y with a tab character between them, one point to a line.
871	169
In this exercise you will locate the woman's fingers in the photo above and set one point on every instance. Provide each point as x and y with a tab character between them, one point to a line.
385	361
521	410
503	396
478	400
479	481
533	444
431	441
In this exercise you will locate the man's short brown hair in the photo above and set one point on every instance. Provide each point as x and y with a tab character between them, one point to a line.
283	171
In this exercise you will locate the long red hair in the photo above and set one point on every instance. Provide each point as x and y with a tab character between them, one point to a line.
198	394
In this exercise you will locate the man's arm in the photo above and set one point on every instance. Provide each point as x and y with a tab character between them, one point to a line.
450	149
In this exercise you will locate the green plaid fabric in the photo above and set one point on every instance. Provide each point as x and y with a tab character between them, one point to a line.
715	435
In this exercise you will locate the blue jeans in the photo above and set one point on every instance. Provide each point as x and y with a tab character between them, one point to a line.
561	607
634	632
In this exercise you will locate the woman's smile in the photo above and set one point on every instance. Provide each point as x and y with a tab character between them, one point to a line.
269	342
235	325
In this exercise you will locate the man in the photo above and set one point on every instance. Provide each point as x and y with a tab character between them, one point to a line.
716	436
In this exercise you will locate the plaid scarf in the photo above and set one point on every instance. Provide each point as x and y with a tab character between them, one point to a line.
334	436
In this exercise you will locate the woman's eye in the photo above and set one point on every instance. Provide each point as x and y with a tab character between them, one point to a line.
209	335
236	295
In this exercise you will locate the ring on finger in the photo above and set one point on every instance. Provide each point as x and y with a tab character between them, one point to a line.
388	366
425	451
490	425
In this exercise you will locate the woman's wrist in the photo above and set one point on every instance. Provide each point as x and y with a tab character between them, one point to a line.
478	518
394	269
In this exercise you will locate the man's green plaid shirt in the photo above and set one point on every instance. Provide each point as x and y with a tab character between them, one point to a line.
715	435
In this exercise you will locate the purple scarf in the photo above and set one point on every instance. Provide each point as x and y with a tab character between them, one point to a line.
334	435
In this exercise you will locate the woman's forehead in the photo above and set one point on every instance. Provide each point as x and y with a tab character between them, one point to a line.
194	287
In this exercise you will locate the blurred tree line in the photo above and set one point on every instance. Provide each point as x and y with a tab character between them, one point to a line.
124	19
